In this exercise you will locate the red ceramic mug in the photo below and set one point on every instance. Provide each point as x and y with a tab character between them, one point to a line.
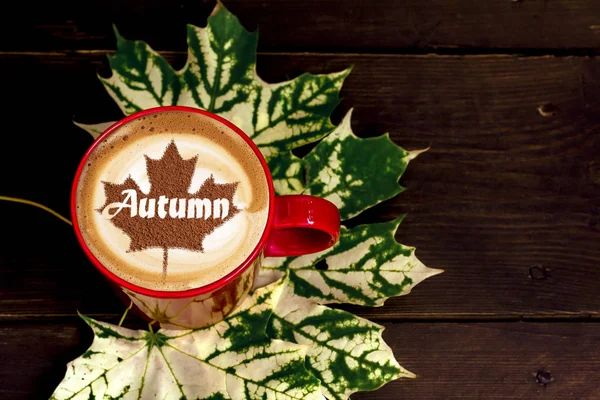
295	225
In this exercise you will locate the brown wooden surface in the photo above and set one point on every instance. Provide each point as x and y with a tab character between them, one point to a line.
507	200
503	189
452	360
323	25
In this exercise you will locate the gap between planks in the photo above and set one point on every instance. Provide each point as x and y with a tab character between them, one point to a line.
450	52
578	317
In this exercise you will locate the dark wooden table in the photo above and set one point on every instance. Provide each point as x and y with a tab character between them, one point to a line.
507	200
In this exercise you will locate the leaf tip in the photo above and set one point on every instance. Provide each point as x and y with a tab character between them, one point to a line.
117	34
84	317
82	126
217	8
415	153
427	272
408	374
347	120
344	73
398	220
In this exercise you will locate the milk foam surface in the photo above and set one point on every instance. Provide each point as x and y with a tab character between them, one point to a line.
221	153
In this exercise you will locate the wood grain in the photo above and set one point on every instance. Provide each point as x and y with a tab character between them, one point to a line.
452	360
314	25
505	201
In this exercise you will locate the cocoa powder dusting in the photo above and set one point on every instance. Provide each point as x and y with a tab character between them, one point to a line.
169	176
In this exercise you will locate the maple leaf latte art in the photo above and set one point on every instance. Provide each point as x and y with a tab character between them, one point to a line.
171	201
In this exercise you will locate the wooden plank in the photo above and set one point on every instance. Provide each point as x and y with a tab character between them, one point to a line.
314	25
504	192
453	361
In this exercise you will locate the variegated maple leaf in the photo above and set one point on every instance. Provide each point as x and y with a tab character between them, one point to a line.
367	266
345	352
233	359
220	76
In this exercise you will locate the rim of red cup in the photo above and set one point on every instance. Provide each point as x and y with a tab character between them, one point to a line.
189	292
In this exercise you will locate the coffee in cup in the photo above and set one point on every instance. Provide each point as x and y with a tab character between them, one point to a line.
175	206
172	201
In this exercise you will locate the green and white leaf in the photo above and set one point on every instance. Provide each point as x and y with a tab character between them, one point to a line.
95	129
220	76
366	267
346	353
353	173
141	77
233	359
288	173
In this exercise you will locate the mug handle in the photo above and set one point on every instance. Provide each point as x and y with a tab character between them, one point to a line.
302	225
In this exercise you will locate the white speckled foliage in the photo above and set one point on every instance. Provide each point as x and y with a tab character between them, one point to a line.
259	352
233	359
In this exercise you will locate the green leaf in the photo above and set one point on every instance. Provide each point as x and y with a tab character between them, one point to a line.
354	173
220	76
233	359
141	79
288	173
346	353
366	267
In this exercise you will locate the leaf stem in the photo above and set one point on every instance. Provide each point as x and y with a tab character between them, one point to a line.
125	313
38	205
